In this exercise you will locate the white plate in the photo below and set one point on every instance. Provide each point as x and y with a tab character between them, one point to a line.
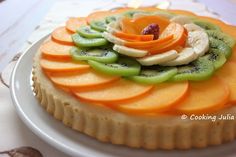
72	142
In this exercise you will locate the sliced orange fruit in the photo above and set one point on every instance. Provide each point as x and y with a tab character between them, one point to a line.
63	66
136	26
98	15
119	91
133	37
74	23
62	36
55	51
179	38
148	44
228	75
205	97
162	98
82	81
183	12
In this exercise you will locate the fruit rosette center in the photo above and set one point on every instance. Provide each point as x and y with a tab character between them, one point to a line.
173	47
130	61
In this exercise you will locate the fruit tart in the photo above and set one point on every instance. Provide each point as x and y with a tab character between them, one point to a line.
144	78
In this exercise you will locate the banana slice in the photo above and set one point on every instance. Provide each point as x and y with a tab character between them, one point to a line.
111	30
113	27
158	58
129	51
190	27
199	41
186	55
181	19
113	39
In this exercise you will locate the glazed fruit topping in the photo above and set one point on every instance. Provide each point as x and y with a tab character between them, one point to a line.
192	49
153	29
143	63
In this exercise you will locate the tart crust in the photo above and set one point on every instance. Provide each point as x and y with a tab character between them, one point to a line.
139	131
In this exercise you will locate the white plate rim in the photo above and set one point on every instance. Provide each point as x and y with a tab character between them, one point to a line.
35	129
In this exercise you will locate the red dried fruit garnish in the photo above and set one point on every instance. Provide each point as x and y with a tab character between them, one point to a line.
152	29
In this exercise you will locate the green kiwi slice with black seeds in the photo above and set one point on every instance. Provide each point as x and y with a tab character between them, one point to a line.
206	25
87	42
104	55
221	46
112	18
200	69
87	32
154	74
217	57
122	67
131	13
99	25
222	37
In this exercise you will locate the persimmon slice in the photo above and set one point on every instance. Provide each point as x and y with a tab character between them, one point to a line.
179	38
74	23
133	37
55	51
149	44
62	36
119	91
228	75
205	97
183	12
136	26
163	97
82	81
98	15
63	66
233	56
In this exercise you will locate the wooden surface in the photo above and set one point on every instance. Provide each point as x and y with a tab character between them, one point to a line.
18	20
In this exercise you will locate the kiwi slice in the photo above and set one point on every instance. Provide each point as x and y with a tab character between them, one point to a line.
99	25
122	67
111	18
86	42
104	55
216	57
221	46
131	13
165	14
200	69
87	32
154	74
206	25
221	36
